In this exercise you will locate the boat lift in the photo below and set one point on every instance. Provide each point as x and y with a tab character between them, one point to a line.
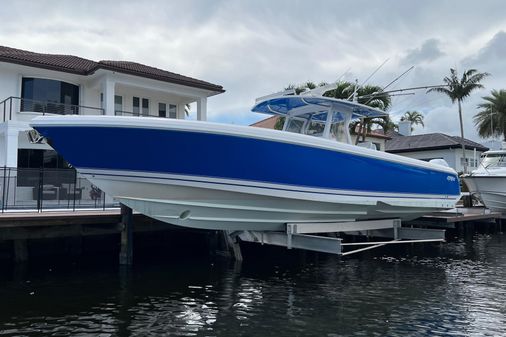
302	236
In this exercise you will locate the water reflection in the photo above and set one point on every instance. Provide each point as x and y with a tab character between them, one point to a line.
455	290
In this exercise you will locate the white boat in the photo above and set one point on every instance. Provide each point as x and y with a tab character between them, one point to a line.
216	176
488	181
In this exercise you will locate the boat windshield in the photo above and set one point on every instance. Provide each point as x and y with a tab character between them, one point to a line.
494	160
312	114
338	131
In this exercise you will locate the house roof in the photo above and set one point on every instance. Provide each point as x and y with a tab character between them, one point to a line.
267	123
430	141
378	133
81	66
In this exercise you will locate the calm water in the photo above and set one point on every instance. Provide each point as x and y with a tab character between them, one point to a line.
458	289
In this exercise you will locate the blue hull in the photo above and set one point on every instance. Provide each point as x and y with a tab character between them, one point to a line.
224	156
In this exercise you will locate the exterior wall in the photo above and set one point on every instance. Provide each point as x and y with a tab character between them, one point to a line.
128	93
473	161
451	156
9	82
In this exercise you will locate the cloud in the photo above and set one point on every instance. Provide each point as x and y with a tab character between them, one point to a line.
256	48
429	51
492	52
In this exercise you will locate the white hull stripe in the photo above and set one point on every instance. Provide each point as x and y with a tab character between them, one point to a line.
240	183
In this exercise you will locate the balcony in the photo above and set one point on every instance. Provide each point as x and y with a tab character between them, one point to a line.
31	108
49	189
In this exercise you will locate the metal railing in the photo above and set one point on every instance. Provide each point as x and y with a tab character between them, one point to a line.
49	189
18	104
136	114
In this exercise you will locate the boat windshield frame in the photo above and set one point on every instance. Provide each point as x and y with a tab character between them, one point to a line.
493	160
333	114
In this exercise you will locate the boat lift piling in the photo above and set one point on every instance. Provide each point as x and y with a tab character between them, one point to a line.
302	235
127	224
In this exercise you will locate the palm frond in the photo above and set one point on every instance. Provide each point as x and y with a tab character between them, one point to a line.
491	119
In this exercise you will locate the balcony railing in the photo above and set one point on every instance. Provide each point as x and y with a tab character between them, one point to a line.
136	114
18	104
49	189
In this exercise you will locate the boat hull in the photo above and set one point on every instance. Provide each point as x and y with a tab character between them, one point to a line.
490	189
218	205
206	175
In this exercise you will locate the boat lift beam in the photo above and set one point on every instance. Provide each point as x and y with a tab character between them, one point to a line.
298	236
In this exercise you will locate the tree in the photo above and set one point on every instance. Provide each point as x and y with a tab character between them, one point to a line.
370	95
491	119
303	87
388	124
298	89
459	89
414	118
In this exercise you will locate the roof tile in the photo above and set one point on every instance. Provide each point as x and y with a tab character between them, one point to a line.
430	141
82	66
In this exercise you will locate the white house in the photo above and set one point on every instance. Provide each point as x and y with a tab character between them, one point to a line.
436	146
32	84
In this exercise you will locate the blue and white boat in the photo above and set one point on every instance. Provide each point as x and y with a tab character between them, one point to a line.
216	176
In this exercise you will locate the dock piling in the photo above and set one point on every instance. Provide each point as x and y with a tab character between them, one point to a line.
20	250
232	245
126	252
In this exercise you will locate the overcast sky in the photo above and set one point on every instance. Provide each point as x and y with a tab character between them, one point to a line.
254	48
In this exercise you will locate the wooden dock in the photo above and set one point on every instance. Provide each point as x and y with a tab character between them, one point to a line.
20	227
458	217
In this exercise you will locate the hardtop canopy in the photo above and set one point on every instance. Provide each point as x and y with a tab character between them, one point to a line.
315	108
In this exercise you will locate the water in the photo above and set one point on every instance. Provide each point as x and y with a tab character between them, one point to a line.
458	289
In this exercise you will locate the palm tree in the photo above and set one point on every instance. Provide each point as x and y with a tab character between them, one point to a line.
303	87
298	89
491	120
459	89
343	90
371	95
414	117
388	124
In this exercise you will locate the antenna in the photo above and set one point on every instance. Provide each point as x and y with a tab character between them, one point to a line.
342	75
389	84
367	79
374	72
398	77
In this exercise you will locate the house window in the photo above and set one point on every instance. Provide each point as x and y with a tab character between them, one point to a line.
136	106
145	106
118	104
32	158
162	110
50	96
172	111
471	162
